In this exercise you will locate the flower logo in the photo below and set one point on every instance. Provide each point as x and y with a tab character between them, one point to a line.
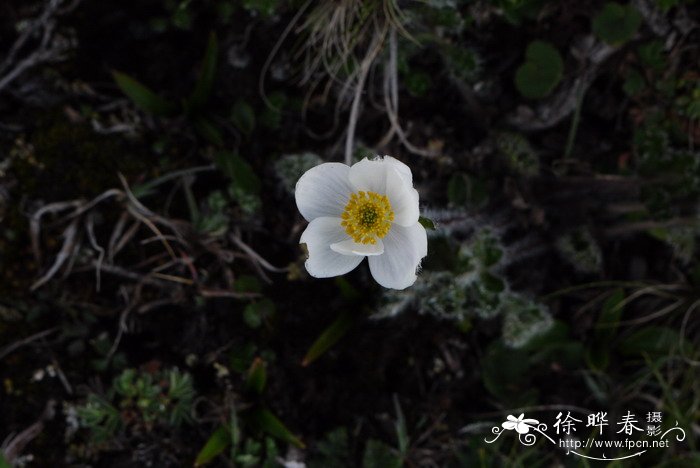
522	426
369	209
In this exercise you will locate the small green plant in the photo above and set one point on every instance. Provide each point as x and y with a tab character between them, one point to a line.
463	63
248	438
332	451
243	116
212	219
541	71
262	7
581	250
651	54
523	320
663	155
256	313
417	82
245	185
616	23
519	153
138	402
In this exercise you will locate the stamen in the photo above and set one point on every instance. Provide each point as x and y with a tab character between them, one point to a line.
367	217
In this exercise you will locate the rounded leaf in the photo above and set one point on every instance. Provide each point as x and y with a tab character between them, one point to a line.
541	71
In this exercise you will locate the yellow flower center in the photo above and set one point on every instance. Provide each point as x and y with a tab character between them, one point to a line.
367	217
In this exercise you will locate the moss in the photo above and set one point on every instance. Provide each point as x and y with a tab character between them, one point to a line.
71	160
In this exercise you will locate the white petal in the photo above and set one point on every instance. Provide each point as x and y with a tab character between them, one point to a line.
322	261
404	247
403	169
323	191
350	247
508	425
369	175
403	198
390	177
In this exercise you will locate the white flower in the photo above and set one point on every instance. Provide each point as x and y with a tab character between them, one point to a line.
522	426
367	210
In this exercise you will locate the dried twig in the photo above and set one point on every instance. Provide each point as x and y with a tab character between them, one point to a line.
51	47
18	344
391	100
35	223
256	256
14	447
374	49
69	236
90	228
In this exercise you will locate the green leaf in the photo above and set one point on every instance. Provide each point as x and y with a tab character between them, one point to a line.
491	282
505	372
541	71
598	351
616	23
651	54
203	88
552	351
241	357
597	356
217	443
329	337
634	83
250	317
271	116
238	169
487	249
666	5
457	189
247	283
142	96
379	455
556	335
208	131
654	340
401	429
243	116
427	223
182	17
3	461
256	312
347	290
264	420
418	83
610	315
333	451
257	377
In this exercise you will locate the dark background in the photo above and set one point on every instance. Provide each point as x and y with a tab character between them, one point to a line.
154	307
